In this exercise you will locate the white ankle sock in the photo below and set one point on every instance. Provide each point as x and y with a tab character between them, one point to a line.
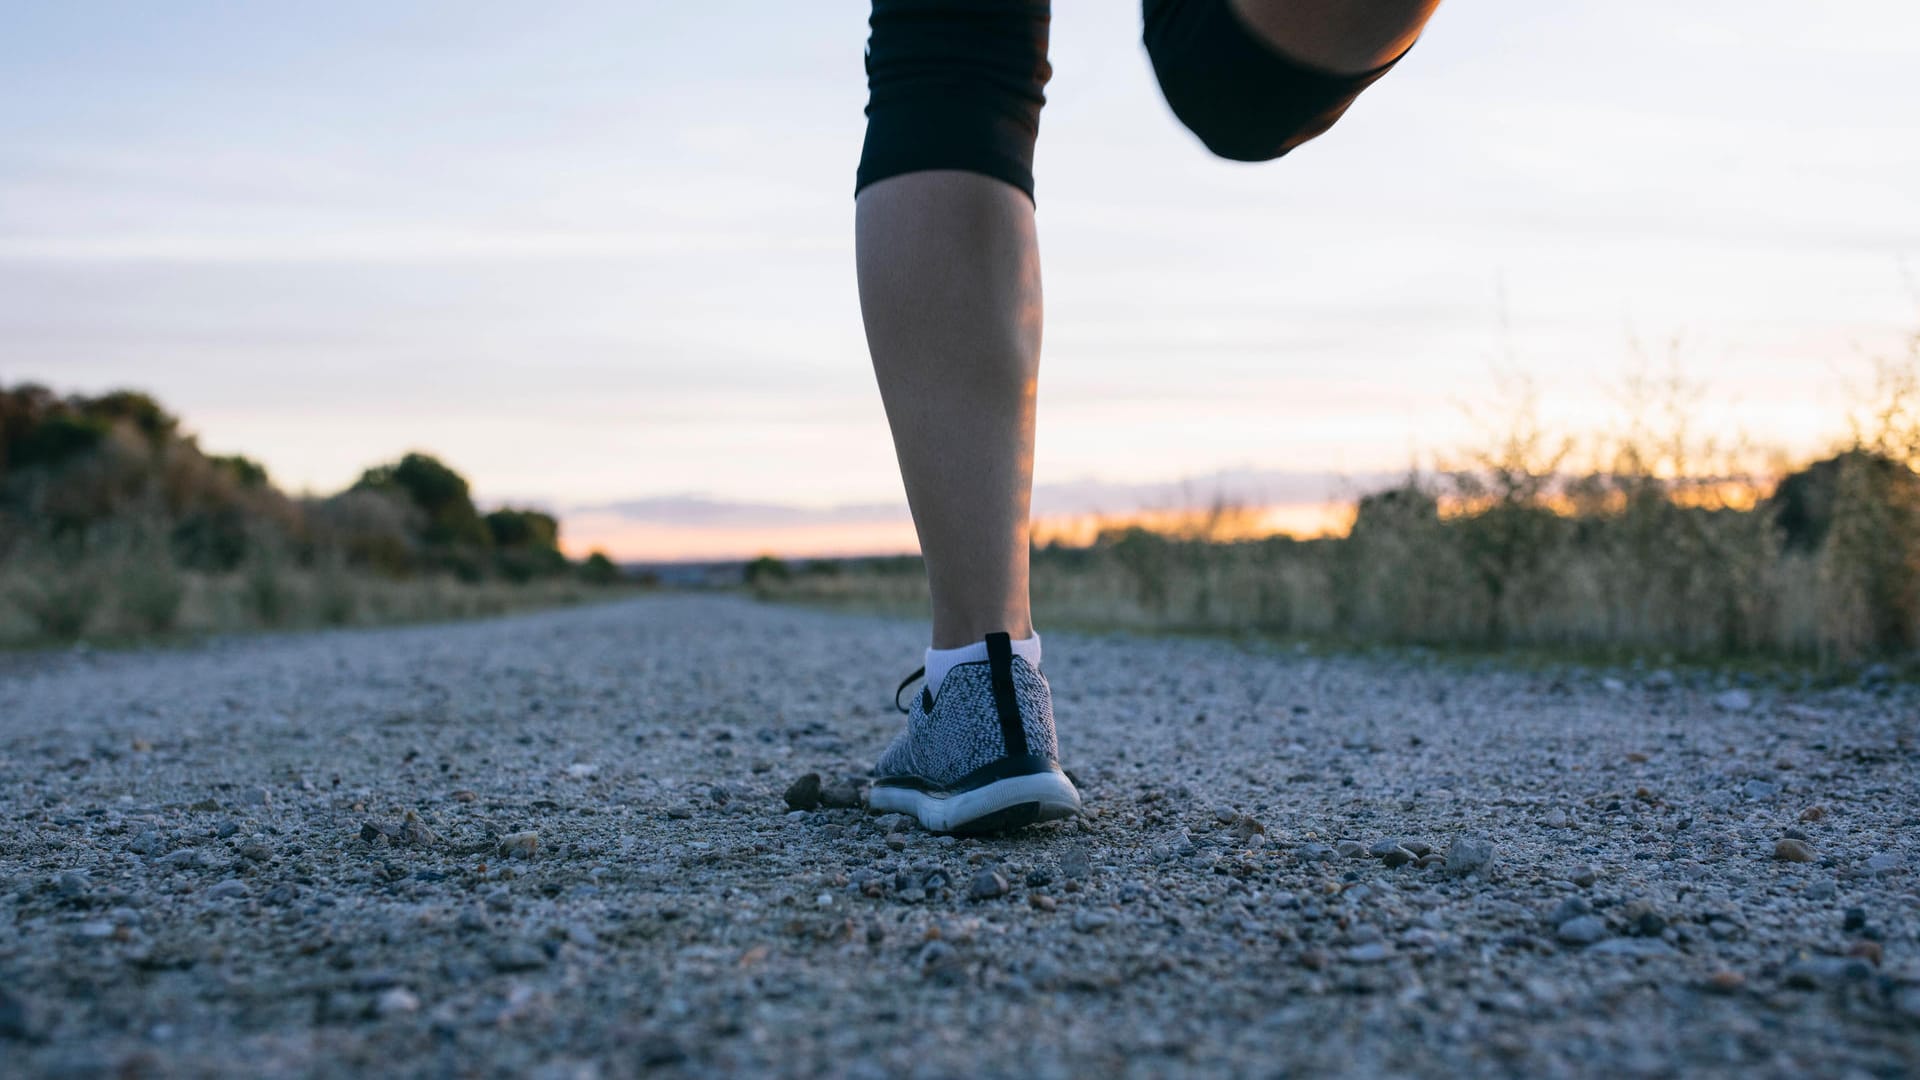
940	661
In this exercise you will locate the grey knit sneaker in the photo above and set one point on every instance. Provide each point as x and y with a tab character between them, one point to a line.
982	757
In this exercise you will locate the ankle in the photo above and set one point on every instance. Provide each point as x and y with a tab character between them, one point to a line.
958	633
941	661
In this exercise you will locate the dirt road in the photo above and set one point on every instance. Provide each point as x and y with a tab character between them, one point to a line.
557	845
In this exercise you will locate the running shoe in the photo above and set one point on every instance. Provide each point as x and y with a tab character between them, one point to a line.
981	756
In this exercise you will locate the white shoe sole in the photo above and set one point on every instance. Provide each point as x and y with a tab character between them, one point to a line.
1003	804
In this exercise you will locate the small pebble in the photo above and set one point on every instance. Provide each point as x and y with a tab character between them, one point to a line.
1885	863
1734	701
1725	981
17	1018
1371	953
1584	930
1468	854
1087	921
1076	862
1569	909
1822	972
986	885
397	1001
184	859
515	956
1788	849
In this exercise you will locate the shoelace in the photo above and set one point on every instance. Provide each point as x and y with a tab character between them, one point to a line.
908	681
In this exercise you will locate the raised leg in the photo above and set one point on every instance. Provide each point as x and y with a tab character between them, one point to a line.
1346	37
1256	78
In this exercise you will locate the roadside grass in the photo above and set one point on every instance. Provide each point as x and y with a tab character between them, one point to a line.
1646	544
858	594
131	600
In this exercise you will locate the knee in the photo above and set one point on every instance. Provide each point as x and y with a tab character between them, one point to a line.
1245	101
955	84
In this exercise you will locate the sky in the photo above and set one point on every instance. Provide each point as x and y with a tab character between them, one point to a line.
598	256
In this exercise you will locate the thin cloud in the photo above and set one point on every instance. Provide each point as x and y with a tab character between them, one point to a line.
1091	496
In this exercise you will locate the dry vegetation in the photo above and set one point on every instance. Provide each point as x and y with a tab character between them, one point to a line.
114	525
1646	540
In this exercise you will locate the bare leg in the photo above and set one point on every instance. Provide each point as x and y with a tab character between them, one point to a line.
949	272
949	275
1342	36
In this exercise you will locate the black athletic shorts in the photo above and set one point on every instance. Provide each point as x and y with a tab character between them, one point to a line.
958	84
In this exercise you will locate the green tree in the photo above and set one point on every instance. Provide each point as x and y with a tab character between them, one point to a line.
765	570
526	543
248	472
597	569
528	529
439	492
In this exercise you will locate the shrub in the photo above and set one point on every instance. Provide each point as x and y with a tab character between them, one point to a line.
336	599
511	528
440	493
1870	561
1400	574
149	589
368	528
60	600
597	569
267	593
246	471
1146	557
765	570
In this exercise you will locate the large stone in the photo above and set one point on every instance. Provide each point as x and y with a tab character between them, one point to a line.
843	794
804	793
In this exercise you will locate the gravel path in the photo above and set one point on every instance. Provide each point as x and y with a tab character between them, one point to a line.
557	845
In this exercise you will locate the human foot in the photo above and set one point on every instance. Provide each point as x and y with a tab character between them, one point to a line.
981	756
